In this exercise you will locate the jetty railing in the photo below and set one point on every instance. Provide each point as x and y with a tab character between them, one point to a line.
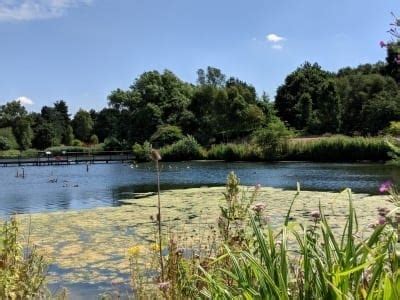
44	158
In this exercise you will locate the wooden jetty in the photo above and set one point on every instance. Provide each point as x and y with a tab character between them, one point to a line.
69	158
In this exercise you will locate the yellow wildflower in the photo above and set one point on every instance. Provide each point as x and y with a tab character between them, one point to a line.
134	250
155	247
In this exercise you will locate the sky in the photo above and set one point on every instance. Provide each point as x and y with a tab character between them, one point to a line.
81	50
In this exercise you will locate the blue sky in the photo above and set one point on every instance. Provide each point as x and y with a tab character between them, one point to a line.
80	50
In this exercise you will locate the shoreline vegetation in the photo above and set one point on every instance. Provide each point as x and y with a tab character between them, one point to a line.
317	149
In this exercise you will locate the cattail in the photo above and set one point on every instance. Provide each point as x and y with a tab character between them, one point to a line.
155	155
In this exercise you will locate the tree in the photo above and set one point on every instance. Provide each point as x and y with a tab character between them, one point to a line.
45	136
11	111
82	125
166	135
303	84
23	132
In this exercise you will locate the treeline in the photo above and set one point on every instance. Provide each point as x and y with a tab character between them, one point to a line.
352	101
161	109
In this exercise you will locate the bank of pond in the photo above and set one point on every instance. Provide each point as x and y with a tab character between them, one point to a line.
320	149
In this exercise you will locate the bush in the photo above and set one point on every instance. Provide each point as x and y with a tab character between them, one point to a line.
272	139
10	154
94	140
4	143
112	144
393	129
77	143
339	149
185	149
141	152
235	152
166	135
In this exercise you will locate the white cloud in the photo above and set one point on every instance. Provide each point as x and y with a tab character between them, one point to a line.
24	100
274	38
277	47
27	10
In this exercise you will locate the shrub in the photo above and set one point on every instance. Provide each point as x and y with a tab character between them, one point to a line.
112	143
141	152
166	135
393	129
4	143
272	139
185	149
77	143
94	140
10	154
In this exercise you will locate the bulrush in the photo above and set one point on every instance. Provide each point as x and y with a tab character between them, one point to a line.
155	155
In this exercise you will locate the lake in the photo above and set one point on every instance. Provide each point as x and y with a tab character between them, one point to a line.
53	188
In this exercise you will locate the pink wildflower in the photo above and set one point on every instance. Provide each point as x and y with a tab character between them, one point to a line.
164	286
316	215
382	220
385	187
258	207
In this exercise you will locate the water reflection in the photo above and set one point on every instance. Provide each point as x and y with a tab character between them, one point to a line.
105	184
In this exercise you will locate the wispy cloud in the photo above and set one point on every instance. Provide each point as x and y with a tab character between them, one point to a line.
25	101
27	10
277	47
275	40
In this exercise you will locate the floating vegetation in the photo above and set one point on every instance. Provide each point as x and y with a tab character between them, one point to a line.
90	246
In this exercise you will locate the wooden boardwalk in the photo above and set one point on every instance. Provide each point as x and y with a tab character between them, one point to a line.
69	158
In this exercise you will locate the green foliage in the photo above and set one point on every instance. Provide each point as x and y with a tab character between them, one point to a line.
7	133
22	269
326	266
393	129
82	125
112	143
339	148
69	136
142	152
94	140
23	133
185	149
77	143
4	143
45	136
235	152
272	139
166	135
10	154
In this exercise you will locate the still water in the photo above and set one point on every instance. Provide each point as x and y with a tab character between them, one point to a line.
52	188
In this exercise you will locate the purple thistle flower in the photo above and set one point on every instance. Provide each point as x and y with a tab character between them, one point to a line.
385	186
382	44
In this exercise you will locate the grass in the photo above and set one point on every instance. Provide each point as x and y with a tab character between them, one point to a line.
339	149
235	152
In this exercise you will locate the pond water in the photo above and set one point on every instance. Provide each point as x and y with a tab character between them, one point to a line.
52	188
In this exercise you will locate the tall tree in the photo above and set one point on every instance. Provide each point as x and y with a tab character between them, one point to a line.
82	125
